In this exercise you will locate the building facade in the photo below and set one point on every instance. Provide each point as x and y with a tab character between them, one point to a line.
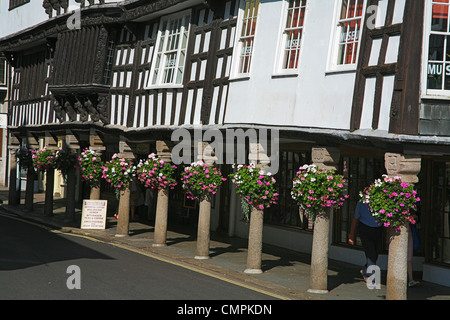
362	80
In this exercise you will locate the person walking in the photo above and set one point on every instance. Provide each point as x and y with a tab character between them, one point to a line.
370	233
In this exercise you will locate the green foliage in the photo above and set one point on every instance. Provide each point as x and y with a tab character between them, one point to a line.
201	179
119	172
90	167
391	201
316	190
155	174
255	186
44	159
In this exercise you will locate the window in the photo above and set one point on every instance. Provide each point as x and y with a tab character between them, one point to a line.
3	68
169	62
438	214
292	34
286	212
359	171
348	33
438	68
350	30
247	36
16	3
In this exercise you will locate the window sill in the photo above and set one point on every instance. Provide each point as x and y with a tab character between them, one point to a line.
236	79
340	71
285	75
436	95
166	86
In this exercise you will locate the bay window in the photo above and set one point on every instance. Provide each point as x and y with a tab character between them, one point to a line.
347	37
247	35
350	21
292	34
3	69
170	54
438	67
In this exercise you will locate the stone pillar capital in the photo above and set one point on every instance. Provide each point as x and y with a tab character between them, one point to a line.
71	141
258	155
164	150
405	166
125	150
206	153
326	157
51	142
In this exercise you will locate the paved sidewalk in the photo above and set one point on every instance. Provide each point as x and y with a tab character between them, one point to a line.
286	272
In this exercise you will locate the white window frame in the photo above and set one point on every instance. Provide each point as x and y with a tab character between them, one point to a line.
279	61
332	65
236	74
160	48
5	71
425	92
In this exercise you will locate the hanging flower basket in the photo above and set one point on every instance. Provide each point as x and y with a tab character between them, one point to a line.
255	186
119	172
155	174
317	190
44	159
200	179
65	161
25	157
391	201
90	167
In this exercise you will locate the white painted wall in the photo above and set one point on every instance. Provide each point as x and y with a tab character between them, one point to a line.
21	17
29	15
313	98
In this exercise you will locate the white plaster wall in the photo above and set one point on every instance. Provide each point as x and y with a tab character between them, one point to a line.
21	17
28	15
314	98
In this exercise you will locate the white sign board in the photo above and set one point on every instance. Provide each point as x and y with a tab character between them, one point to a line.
94	214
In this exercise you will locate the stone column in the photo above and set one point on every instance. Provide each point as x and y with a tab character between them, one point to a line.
162	206
254	255
29	192
49	186
73	146
163	151
33	144
324	158
203	229
52	144
96	145
406	167
258	157
124	213
123	223
206	153
318	282
14	187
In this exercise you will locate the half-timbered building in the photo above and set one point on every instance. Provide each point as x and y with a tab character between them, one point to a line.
358	84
